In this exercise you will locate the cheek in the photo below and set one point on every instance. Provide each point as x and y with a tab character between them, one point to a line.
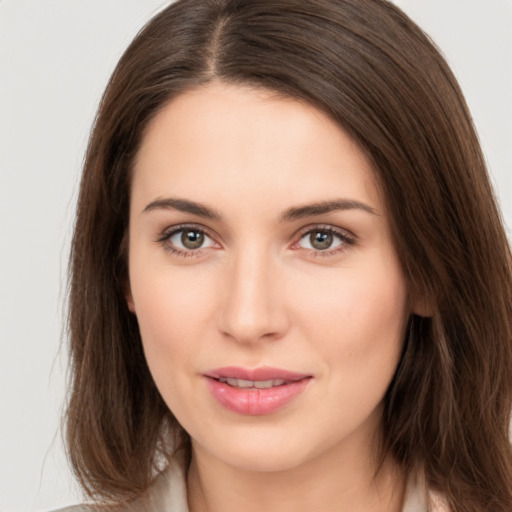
363	312
357	327
172	309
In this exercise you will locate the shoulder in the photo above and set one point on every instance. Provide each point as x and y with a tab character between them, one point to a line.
135	506
84	507
167	493
437	503
77	508
419	498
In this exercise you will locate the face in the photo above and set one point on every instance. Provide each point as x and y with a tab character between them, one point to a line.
270	299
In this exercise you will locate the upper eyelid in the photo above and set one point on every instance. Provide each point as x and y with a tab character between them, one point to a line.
164	239
344	233
171	230
166	233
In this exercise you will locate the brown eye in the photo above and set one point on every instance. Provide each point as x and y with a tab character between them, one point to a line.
192	239
321	240
187	240
328	240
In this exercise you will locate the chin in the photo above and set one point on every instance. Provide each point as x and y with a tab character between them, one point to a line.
264	452
268	461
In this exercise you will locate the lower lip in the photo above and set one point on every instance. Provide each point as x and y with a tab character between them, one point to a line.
256	402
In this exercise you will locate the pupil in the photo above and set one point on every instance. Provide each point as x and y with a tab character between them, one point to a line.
321	240
192	239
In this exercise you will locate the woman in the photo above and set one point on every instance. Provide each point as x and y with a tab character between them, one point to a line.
290	285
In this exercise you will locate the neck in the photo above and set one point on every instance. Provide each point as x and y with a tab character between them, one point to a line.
336	482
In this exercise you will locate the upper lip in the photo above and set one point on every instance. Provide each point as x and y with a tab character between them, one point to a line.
255	374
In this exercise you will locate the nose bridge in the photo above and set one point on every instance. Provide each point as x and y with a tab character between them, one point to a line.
252	308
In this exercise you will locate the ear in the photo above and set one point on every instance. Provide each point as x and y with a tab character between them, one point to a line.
131	305
124	278
129	297
422	305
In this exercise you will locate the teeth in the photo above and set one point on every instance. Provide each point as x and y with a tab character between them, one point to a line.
265	384
258	384
240	383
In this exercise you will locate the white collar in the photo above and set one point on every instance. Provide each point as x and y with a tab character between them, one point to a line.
169	494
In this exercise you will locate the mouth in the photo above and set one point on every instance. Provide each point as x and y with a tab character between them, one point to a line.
257	391
252	384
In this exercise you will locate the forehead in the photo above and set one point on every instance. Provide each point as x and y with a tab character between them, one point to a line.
226	142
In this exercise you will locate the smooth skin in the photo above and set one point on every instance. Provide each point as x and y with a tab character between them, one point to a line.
230	266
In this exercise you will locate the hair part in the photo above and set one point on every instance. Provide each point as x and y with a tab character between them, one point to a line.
370	68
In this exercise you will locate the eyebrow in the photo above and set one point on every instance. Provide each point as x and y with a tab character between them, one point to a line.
183	205
295	213
322	207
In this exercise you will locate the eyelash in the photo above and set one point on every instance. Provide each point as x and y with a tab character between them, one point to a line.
167	234
346	240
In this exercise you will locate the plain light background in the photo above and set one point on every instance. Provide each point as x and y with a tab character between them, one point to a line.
55	59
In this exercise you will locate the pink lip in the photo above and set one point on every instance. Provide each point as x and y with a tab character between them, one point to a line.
251	401
262	373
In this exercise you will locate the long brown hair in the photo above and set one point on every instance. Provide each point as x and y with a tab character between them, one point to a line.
381	78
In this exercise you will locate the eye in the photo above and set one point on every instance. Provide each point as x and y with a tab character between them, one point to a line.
319	240
188	239
184	240
324	239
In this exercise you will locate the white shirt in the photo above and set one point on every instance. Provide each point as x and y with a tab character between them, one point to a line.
169	494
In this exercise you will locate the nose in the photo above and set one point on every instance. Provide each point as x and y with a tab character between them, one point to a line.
253	306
